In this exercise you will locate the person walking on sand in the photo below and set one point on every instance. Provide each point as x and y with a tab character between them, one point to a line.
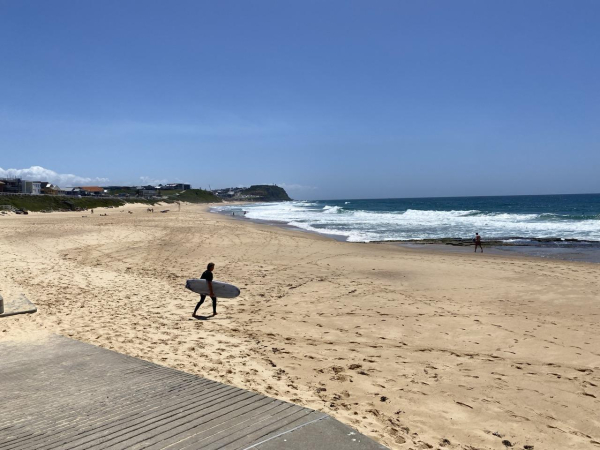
478	242
208	276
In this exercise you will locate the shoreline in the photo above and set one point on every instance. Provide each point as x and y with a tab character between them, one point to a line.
572	250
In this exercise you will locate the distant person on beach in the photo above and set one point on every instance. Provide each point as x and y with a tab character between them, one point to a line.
478	242
208	276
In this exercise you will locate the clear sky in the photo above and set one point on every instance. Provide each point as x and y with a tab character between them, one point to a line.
332	99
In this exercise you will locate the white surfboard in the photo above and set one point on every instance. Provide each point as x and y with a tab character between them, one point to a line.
220	289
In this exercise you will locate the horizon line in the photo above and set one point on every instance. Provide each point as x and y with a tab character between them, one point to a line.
452	196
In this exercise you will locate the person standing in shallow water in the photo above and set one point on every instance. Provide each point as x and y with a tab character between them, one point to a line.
208	276
478	242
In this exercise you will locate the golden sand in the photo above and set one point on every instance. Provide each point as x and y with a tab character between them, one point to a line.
416	349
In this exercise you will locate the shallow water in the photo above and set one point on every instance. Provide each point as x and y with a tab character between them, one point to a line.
508	218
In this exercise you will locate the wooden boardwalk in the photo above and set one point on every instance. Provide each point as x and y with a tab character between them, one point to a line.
65	394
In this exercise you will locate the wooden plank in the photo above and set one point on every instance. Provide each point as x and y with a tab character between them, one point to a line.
65	394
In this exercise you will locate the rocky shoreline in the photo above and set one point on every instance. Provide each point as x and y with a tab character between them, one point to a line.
509	241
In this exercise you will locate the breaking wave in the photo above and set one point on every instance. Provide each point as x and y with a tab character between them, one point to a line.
370	224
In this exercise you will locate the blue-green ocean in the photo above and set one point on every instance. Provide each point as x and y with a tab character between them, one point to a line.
509	218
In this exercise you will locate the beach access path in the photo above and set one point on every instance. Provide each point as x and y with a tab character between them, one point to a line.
410	347
59	393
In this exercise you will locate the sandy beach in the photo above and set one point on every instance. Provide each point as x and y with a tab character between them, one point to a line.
415	348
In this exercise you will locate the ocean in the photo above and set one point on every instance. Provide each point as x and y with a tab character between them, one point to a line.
572	219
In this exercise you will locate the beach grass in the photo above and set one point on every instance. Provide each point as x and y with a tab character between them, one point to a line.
58	203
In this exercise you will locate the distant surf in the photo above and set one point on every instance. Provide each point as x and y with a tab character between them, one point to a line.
559	217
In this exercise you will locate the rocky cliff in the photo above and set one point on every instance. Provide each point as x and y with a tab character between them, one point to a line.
265	193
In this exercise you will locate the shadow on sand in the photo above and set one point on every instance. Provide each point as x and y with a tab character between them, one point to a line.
197	317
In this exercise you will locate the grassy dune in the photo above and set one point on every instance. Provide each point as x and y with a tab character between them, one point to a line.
59	202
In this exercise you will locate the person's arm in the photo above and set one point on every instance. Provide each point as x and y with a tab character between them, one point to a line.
210	289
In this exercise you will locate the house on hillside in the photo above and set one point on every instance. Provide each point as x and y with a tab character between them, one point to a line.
71	191
120	191
228	193
49	188
32	187
91	190
146	191
12	185
176	186
20	186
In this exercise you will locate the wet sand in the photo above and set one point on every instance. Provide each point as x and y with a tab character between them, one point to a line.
416	348
581	254
583	251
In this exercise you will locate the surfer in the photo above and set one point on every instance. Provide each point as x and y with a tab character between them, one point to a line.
478	242
208	276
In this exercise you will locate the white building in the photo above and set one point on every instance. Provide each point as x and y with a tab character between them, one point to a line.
31	187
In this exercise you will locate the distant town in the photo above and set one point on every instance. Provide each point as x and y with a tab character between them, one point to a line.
19	186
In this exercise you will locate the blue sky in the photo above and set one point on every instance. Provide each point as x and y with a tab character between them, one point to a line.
332	99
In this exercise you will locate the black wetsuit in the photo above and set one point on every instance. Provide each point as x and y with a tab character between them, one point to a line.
478	243
208	276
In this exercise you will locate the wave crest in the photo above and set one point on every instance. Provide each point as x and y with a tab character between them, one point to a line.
332	209
362	225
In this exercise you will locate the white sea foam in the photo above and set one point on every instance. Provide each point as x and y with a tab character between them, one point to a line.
332	209
364	226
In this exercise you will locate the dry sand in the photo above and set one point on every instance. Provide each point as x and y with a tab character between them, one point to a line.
416	349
